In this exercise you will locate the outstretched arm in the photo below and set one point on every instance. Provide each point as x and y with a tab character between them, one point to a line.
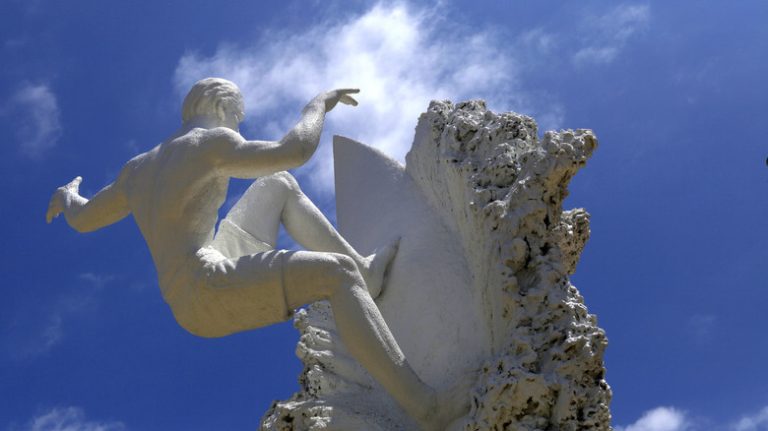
106	207
249	159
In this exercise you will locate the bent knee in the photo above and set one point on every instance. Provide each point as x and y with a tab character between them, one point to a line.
283	180
196	325
345	271
311	276
204	332
343	261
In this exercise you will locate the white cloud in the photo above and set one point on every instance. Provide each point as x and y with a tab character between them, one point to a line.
37	117
539	40
96	280
701	327
16	43
595	54
756	422
69	419
607	34
659	419
673	419
132	146
39	327
399	56
36	333
52	332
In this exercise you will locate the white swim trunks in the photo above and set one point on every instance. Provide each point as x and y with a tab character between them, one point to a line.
235	289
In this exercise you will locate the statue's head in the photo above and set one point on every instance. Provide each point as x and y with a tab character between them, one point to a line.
216	98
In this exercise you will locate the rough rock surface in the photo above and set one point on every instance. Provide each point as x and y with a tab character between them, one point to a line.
499	189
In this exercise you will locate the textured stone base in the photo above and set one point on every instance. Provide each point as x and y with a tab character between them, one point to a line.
480	285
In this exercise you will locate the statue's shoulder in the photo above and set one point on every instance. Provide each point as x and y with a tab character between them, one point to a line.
133	167
222	134
216	143
142	158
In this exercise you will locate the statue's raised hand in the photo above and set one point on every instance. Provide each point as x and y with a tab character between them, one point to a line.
340	95
60	197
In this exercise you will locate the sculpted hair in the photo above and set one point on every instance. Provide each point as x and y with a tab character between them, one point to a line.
210	96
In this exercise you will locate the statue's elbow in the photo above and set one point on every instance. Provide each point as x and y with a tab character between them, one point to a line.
297	156
79	226
305	153
200	328
298	147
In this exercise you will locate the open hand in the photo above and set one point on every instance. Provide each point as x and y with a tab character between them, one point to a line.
60	197
340	95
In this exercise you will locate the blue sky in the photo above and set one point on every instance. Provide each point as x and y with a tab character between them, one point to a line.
675	269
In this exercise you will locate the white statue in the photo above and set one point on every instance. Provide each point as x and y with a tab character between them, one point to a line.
483	267
219	283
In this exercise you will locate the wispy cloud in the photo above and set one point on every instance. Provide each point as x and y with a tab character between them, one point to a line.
132	146
539	40
401	57
96	280
35	111
37	331
755	422
68	419
659	419
16	43
40	327
674	419
701	326
607	34
50	335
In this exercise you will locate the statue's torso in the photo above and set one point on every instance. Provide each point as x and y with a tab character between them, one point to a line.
174	194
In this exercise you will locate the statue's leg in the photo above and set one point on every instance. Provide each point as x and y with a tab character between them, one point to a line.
333	273
278	198
311	276
260	209
225	296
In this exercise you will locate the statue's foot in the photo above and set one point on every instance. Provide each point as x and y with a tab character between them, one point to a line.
375	267
449	405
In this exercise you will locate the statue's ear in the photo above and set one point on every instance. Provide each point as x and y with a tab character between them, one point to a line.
220	111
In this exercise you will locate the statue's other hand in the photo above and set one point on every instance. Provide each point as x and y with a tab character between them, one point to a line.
59	199
340	95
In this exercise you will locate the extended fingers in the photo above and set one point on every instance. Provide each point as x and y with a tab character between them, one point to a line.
339	95
348	100
56	204
344	95
75	183
50	215
54	208
348	90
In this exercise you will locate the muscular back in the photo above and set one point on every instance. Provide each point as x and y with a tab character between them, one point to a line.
174	192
